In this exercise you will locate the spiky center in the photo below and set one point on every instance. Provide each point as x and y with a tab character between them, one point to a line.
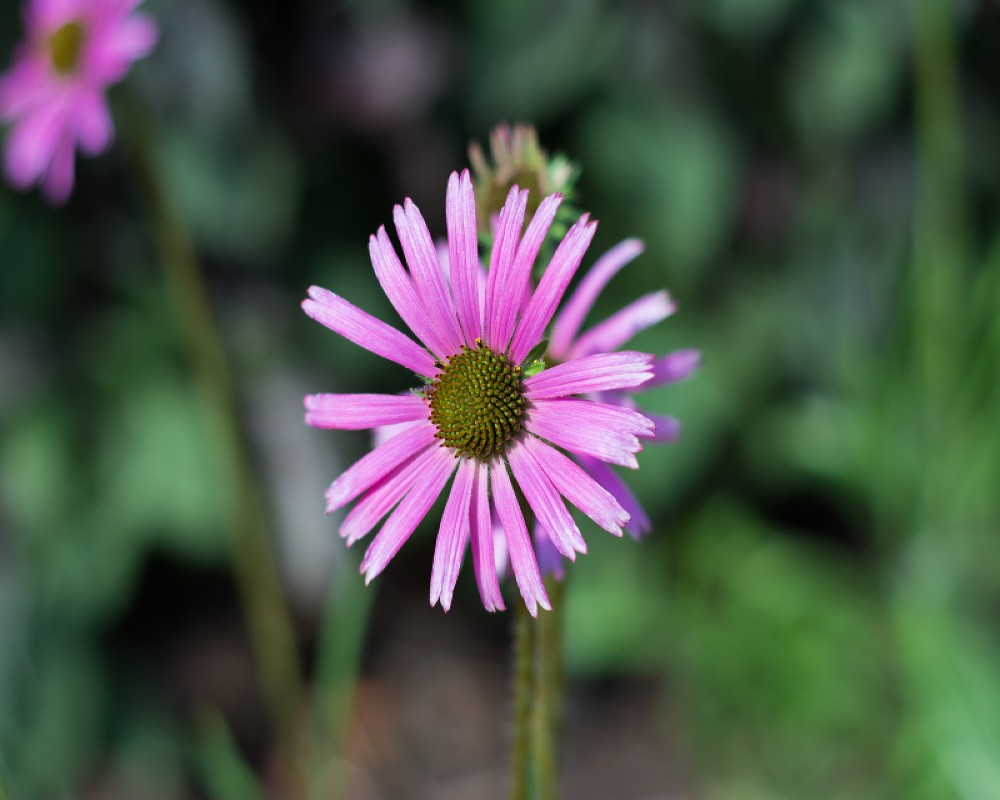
66	46
477	401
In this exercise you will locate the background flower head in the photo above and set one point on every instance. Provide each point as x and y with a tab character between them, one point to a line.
54	93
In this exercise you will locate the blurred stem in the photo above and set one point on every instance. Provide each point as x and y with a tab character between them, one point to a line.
524	670
342	638
263	602
548	694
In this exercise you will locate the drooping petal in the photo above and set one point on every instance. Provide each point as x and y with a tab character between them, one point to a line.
502	261
407	515
380	499
550	560
128	41
578	487
374	466
57	183
453	536
575	311
515	291
26	86
32	144
522	555
667	430
621	326
352	412
551	288
483	553
590	428
94	129
639	522
595	373
366	331
426	271
545	502
675	366
463	254
401	293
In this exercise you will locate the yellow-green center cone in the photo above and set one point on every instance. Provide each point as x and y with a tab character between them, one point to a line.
477	401
66	46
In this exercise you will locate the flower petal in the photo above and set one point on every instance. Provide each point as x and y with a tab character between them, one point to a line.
590	428
522	555
551	288
379	501
57	183
668	429
94	129
595	373
463	254
407	516
578	487
621	326
427	277
453	535
352	412
675	366
639	522
128	41
483	548
502	263
366	331
514	293
401	293
545	502
550	560
575	311
374	466
32	144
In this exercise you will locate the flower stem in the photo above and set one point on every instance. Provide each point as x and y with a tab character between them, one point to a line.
524	673
269	622
548	694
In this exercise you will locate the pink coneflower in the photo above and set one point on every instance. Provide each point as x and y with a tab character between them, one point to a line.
478	416
568	343
54	92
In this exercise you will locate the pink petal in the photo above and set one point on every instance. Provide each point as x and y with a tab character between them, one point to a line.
463	253
522	556
578	487
94	129
502	257
591	374
379	501
550	560
453	536
639	522
590	428
668	429
675	366
545	502
483	552
127	42
353	412
426	271
408	514
57	183
401	293
550	289
26	86
371	468
575	311
515	291
32	144
366	331
624	324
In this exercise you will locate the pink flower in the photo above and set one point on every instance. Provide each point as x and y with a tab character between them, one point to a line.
478	417
568	343
54	93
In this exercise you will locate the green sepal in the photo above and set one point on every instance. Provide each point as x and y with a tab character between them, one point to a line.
536	352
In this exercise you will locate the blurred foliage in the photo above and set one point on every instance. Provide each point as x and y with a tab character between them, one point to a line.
819	595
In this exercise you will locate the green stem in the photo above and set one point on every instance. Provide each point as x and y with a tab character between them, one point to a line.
548	694
268	618
524	671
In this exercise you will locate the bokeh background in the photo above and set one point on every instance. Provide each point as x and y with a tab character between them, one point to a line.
817	184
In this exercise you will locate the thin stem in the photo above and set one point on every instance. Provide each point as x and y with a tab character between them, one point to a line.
524	671
548	694
263	601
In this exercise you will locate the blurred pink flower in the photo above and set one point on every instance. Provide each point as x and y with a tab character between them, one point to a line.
54	93
479	414
567	343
